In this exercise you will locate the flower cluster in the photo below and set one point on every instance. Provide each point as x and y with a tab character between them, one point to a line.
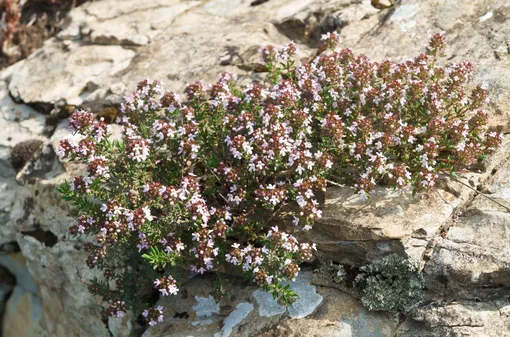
115	309
396	124
153	315
232	174
166	286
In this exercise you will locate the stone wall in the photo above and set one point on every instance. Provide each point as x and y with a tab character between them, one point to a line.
107	48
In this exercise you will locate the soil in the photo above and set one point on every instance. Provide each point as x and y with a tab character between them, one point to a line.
39	21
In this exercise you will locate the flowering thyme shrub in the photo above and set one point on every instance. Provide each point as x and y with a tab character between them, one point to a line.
210	181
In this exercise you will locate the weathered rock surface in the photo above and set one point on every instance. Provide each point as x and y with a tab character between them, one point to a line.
247	312
23	308
463	318
107	48
18	123
354	231
473	259
340	315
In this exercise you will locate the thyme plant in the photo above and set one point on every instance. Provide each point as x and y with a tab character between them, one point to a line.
213	180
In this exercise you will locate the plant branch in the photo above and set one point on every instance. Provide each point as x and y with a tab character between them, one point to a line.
480	193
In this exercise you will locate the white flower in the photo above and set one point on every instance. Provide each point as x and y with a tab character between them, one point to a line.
60	151
295	221
301	201
147	213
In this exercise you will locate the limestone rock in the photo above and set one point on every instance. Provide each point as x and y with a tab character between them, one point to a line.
19	123
66	73
23	309
319	312
133	23
62	289
354	231
339	316
22	314
473	259
462	318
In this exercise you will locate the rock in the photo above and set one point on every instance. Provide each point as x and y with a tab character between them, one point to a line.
308	24
319	311
95	96
472	261
354	231
22	314
5	292
20	125
502	51
268	307
19	122
451	12
133	23
75	101
206	306
23	310
188	49
462	318
193	311
241	311
8	186
20	138
65	72
117	88
123	327
306	303
486	17
62	289
308	299
44	166
340	315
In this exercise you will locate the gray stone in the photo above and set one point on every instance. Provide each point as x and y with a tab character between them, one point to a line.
95	96
240	313
134	23
354	231
308	299
473	260
268	306
23	312
451	12
206	306
18	121
339	316
66	74
121	327
405	12
117	88
16	264
55	268
76	101
463	318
